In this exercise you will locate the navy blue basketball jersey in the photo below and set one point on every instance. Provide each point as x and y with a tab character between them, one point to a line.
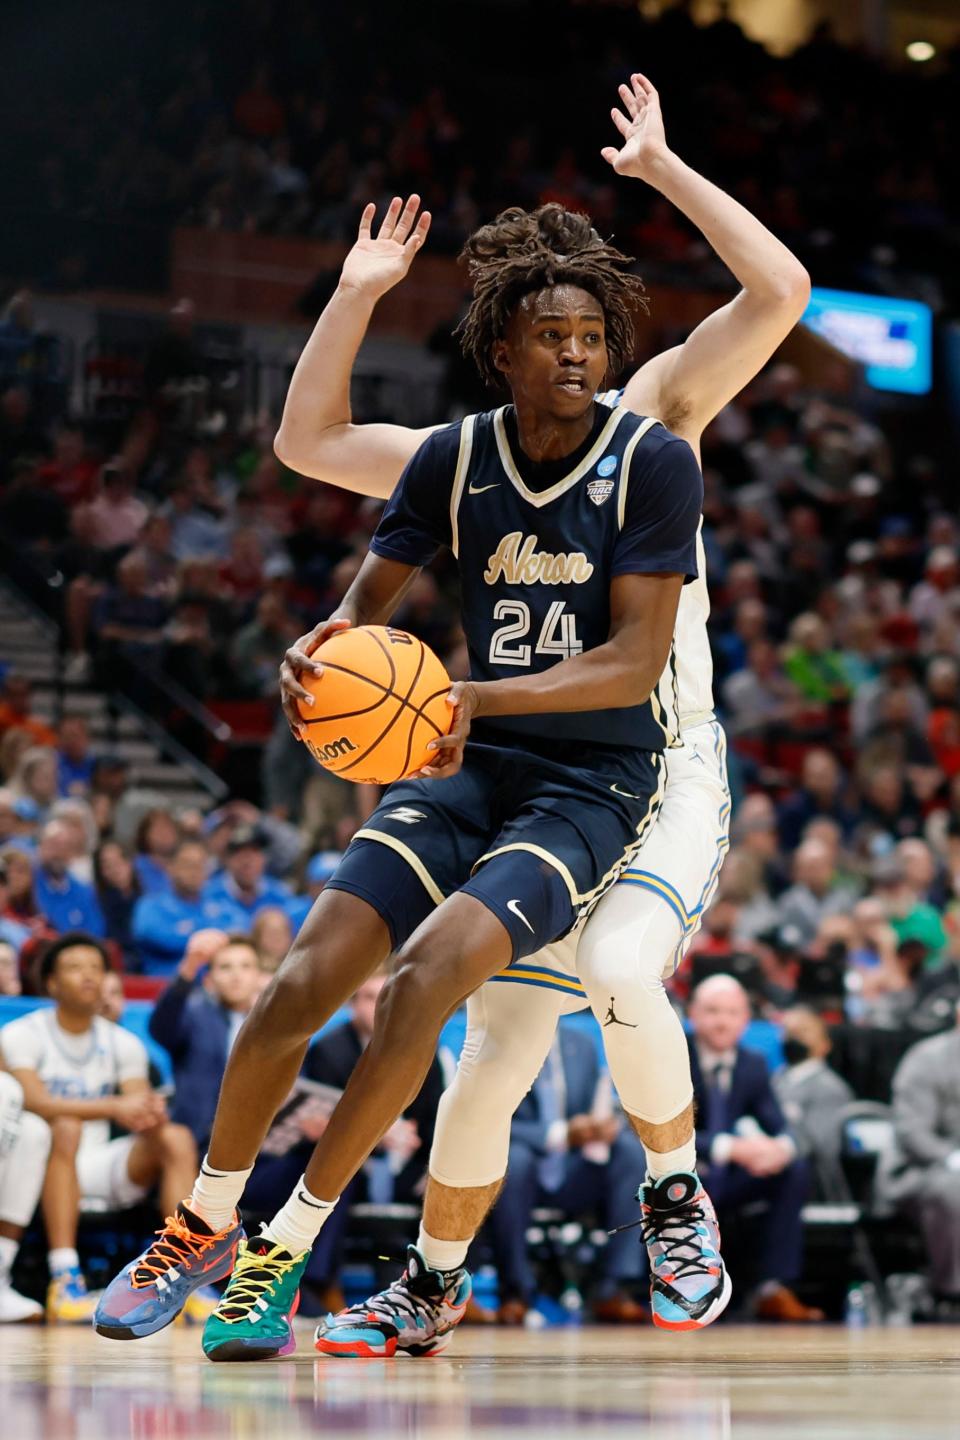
536	565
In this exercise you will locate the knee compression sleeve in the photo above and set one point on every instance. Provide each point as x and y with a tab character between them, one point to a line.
624	951
510	1029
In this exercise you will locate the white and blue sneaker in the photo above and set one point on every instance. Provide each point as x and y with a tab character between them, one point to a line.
689	1283
417	1314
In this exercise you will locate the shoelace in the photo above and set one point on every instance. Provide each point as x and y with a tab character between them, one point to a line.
175	1243
656	1226
397	1297
684	1222
254	1275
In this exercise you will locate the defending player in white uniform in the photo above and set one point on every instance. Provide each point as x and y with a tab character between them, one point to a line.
641	928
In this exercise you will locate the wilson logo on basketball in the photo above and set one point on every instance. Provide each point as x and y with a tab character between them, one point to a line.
335	750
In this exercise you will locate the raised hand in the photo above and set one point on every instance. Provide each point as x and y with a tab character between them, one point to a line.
644	142
376	264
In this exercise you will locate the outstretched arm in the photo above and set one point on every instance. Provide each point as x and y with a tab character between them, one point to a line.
316	435
688	385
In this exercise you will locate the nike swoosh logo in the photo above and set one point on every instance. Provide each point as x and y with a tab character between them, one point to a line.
479	489
514	907
628	793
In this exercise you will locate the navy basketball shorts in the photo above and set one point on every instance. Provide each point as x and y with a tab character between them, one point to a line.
536	841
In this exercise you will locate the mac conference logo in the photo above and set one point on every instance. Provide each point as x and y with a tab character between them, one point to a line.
601	489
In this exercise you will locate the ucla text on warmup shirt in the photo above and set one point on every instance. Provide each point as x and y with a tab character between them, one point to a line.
536	564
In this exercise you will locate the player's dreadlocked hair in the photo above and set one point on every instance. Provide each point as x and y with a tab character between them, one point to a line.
526	250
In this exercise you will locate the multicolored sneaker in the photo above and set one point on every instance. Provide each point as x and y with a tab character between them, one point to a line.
152	1290
689	1284
69	1302
253	1319
416	1314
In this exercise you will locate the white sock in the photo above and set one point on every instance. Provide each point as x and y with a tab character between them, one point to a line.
441	1254
298	1224
8	1253
216	1194
63	1258
668	1162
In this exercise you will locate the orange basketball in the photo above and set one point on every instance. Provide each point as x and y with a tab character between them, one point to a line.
379	702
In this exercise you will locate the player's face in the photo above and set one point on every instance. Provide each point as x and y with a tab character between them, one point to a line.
77	982
554	355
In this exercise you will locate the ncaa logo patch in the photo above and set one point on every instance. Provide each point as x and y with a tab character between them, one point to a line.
600	490
607	465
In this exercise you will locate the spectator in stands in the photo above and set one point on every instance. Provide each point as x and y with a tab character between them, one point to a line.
821	794
156	842
570	1150
15	710
814	667
164	922
35	778
812	1096
21	900
910	917
118	890
243	881
67	903
112	999
74	757
81	1074
745	1152
319	869
255	647
9	968
128	621
115	516
24	1147
77	816
13	932
889	810
197	1018
816	891
9	820
272	934
70	473
924	1180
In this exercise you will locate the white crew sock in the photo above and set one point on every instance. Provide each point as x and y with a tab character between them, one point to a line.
63	1258
441	1254
668	1162
216	1194
8	1253
298	1224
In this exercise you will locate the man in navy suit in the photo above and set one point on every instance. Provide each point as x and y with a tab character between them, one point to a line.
745	1152
570	1151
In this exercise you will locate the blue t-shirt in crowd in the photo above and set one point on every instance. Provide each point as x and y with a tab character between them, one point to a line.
74	776
269	892
162	925
68	903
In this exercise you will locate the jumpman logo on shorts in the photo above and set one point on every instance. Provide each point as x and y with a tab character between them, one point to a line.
611	1018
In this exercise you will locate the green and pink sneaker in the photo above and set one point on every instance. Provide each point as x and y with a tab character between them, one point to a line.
253	1320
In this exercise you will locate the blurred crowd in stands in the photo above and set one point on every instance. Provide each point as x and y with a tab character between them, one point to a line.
351	103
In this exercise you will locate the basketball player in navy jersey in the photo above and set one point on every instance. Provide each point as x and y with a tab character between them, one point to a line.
365	458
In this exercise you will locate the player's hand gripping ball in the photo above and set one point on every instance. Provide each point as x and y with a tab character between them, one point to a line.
380	699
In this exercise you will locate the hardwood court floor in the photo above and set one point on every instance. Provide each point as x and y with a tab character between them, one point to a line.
728	1383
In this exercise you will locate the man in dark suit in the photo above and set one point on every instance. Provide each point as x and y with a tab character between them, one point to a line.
198	1017
569	1150
745	1153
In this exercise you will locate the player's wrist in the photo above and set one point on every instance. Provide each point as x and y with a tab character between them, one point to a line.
359	292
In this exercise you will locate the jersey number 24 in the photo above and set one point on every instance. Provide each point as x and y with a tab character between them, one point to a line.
558	633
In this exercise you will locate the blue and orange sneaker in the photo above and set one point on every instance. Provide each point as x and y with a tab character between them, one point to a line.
151	1291
417	1314
689	1284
